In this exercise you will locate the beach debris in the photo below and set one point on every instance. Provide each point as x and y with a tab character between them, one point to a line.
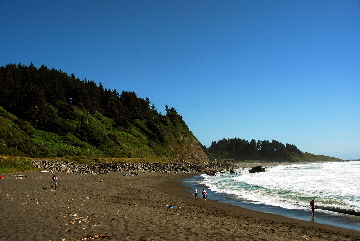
75	219
131	174
20	176
171	206
92	237
1	177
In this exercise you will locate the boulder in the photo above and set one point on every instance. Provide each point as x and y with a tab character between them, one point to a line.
211	172
173	167
257	169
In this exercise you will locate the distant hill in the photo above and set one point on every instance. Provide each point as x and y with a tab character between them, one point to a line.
48	113
240	150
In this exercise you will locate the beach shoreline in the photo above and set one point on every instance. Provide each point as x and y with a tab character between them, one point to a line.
137	207
339	219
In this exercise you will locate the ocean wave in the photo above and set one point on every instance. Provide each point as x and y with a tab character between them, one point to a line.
353	212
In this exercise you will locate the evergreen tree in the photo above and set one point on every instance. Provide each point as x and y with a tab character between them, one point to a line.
82	117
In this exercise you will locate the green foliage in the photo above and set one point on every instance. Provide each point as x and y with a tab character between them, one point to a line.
15	135
11	165
308	157
243	150
46	113
240	149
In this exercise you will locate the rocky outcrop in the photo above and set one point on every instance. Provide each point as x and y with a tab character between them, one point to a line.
190	149
257	169
103	168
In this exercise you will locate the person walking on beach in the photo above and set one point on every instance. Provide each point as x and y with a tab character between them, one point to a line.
312	206
54	182
195	193
204	194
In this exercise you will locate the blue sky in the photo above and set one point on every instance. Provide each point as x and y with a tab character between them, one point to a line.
280	69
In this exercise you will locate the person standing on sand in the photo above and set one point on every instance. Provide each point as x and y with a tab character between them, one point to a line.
312	206
54	182
195	193
204	194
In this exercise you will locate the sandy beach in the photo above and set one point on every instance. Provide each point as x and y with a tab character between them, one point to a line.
120	207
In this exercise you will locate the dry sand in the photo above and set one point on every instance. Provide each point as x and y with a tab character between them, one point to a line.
86	207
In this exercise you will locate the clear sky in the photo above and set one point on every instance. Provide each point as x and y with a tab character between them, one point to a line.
273	69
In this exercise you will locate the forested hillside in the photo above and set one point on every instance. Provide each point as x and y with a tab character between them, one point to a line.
48	113
240	149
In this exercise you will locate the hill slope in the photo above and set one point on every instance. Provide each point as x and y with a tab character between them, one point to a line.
47	113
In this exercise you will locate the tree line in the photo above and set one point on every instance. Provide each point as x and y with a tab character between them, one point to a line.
240	149
30	93
53	101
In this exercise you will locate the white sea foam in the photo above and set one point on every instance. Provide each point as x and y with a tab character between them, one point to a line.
335	186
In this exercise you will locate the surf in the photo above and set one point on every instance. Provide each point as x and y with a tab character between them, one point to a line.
287	189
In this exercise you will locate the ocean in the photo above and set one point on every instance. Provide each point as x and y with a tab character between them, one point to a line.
286	190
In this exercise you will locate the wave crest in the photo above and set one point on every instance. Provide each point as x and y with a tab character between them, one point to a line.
340	210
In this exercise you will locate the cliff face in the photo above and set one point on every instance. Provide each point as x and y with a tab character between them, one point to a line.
189	149
196	152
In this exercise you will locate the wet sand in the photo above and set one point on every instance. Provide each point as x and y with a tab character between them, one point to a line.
87	207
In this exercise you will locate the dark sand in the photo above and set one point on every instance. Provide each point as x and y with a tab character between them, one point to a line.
135	208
